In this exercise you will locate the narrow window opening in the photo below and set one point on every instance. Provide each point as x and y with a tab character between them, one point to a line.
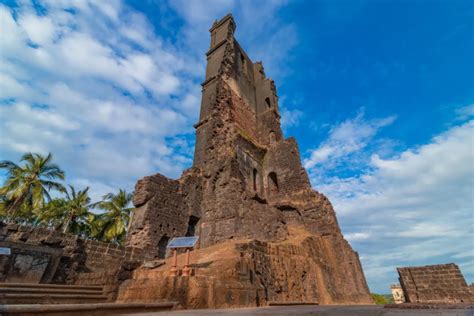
243	63
192	223
267	101
255	175
273	183
162	246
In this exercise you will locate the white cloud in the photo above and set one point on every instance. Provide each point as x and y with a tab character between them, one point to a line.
414	208
40	30
357	236
10	87
93	83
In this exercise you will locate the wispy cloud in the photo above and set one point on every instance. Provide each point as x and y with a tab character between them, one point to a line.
290	118
465	112
345	139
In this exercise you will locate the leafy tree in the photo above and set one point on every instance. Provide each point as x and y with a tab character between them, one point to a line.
112	224
29	183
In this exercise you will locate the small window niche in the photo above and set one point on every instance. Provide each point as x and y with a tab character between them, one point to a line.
192	225
268	103
243	63
213	38
273	183
272	137
255	179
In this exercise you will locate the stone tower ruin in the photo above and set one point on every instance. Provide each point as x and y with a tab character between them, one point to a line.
247	183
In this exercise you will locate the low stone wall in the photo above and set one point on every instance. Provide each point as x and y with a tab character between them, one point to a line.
441	283
41	255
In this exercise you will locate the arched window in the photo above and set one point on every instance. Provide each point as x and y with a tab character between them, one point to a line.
273	183
267	102
254	178
162	246
192	223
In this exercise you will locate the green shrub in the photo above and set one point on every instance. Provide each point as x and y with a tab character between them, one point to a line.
380	299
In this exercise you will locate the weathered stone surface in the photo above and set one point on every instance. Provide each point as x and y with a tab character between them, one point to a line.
250	272
442	283
246	182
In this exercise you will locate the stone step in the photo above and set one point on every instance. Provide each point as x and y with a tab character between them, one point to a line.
45	298
34	290
50	286
33	293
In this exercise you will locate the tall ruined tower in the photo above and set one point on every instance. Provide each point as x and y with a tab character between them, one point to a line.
255	103
247	183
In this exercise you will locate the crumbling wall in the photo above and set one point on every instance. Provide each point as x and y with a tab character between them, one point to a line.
283	158
442	283
160	214
310	271
41	255
243	116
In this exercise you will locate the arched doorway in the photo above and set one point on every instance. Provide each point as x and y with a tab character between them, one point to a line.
162	246
192	224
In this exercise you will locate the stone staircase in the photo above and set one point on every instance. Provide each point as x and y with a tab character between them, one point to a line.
28	293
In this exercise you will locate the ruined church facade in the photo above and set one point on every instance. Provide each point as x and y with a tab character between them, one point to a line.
247	183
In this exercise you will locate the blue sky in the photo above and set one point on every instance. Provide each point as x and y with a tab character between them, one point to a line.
379	94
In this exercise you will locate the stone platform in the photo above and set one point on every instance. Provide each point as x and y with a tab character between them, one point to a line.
247	273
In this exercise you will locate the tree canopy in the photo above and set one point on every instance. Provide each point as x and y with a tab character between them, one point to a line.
34	193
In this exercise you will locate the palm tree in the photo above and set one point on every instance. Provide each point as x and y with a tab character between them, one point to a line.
78	204
52	214
30	183
70	214
113	223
